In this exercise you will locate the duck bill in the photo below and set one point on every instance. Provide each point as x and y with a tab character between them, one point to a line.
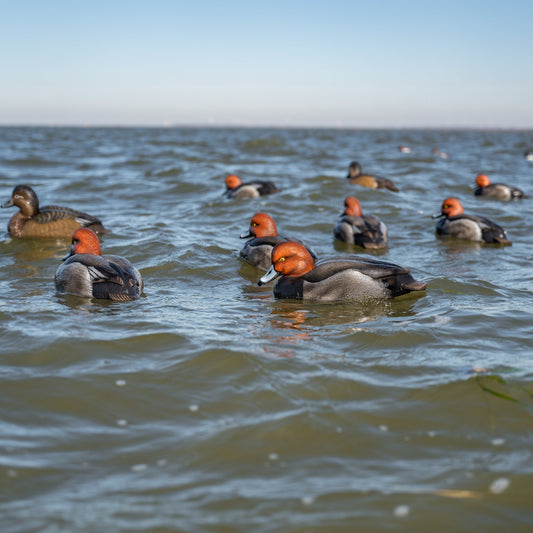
246	235
9	203
437	215
271	274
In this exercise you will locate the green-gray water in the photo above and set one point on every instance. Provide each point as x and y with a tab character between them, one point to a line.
209	406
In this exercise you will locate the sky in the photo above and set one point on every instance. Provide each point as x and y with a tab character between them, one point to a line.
292	63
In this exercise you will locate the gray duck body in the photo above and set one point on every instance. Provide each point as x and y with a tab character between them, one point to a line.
366	231
472	228
348	277
499	191
109	277
251	189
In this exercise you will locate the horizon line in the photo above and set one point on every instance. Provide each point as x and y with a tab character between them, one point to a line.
265	126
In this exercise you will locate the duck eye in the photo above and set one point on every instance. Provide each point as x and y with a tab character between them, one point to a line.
254	224
281	259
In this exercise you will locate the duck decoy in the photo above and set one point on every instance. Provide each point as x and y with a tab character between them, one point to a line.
355	175
455	223
86	272
349	277
49	221
498	191
235	188
353	227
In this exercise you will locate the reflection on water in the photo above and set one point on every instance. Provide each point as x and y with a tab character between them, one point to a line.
290	324
459	246
345	247
25	251
86	306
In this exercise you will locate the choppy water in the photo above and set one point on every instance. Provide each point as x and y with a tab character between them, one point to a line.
209	406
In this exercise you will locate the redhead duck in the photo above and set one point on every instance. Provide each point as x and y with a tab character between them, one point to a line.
471	227
264	236
86	272
498	191
235	188
348	277
355	175
353	227
438	153
49	221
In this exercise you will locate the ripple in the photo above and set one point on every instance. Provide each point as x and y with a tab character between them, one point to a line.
209	395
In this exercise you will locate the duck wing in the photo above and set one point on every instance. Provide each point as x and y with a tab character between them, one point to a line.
111	276
395	278
99	269
270	241
504	192
373	268
131	284
53	213
490	231
385	183
367	231
252	189
376	231
265	187
515	192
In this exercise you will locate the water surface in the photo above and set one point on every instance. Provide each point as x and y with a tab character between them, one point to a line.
209	406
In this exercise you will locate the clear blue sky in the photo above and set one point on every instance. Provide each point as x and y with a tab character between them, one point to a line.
380	63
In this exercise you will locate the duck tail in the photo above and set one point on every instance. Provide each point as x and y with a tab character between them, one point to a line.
99	228
502	240
415	286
